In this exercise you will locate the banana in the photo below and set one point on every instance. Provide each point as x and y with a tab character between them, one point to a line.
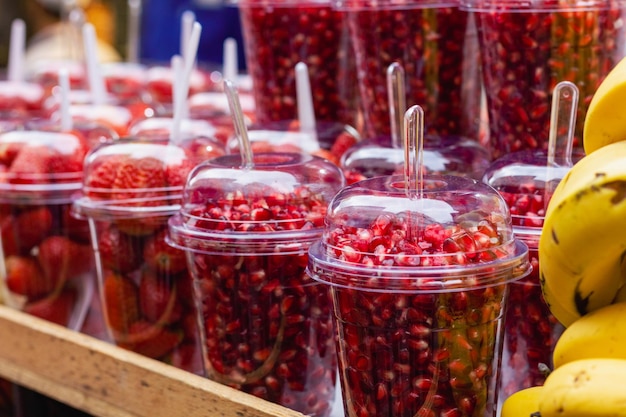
583	242
585	388
599	334
523	403
605	121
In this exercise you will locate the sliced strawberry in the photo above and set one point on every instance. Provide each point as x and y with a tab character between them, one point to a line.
62	259
153	341
100	178
76	229
119	251
121	303
157	299
57	308
162	257
137	176
8	152
24	277
342	143
23	231
30	165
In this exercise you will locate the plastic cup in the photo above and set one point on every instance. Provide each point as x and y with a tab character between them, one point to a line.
21	97
279	34
435	43
419	283
266	326
531	331
46	262
125	80
528	47
131	188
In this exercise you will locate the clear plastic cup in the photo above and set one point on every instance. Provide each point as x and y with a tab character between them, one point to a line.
125	80
279	34
419	284
526	181
131	187
527	47
46	262
21	97
435	43
266	326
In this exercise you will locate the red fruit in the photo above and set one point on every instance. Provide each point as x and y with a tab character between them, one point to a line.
57	308
100	179
118	251
121	303
153	341
61	259
176	175
21	232
162	257
157	299
75	229
24	277
188	356
343	142
8	152
136	176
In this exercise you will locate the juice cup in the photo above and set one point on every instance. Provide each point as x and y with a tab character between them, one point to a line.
131	188
527	47
279	34
46	264
266	326
435	43
419	284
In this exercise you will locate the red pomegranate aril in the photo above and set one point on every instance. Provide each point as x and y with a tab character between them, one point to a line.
521	67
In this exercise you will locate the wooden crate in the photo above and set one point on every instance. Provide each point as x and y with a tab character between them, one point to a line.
104	380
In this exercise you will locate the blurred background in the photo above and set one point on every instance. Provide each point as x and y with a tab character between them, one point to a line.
159	27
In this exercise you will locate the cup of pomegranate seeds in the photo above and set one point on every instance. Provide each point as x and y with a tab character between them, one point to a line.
247	222
527	47
46	262
277	35
130	189
526	180
419	268
435	42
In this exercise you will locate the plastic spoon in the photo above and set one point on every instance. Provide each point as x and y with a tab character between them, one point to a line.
240	125
182	91
561	133
397	102
134	27
306	112
97	85
414	162
230	70
64	83
15	70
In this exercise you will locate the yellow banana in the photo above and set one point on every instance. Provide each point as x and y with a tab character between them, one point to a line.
599	334
605	121
523	403
585	388
583	240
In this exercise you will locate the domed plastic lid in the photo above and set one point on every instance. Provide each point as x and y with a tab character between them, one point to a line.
539	5
442	155
418	232
132	178
275	203
39	165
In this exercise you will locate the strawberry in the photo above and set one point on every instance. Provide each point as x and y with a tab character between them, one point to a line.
24	277
188	356
157	299
99	180
162	257
153	341
119	251
136	176
62	259
57	308
23	231
31	165
72	227
121	302
342	143
8	152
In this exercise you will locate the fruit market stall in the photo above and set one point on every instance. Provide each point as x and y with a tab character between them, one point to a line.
105	380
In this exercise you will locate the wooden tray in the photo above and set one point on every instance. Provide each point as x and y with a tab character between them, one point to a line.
105	380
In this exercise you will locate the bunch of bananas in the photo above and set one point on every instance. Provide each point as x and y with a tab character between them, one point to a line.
583	271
